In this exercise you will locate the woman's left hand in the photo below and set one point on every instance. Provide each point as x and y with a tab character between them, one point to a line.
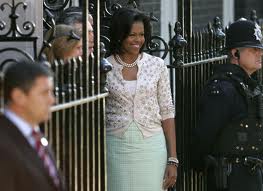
170	176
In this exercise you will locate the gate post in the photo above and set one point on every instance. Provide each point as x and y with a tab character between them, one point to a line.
185	18
18	31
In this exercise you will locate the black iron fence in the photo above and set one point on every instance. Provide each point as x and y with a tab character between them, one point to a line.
77	127
76	130
193	67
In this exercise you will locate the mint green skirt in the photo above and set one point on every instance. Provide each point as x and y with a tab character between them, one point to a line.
135	163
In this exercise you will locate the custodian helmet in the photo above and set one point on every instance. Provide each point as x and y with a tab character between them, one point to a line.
243	33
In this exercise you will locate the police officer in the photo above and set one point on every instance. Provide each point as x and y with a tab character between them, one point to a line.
228	140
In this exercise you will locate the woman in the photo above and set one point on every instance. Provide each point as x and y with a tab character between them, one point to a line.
66	43
139	111
73	16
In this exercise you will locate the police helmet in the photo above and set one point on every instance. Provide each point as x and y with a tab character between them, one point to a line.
243	33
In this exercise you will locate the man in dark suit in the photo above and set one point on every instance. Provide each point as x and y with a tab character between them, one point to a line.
26	163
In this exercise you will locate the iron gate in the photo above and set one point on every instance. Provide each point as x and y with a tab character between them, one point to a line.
76	130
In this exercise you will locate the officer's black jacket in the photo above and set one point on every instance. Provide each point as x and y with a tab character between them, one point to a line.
221	103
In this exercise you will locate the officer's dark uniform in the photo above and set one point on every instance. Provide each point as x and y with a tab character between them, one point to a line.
228	141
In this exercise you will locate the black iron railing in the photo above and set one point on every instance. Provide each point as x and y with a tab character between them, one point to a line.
76	130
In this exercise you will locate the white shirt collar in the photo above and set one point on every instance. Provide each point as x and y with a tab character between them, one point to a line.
23	126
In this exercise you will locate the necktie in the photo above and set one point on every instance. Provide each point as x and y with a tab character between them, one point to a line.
41	148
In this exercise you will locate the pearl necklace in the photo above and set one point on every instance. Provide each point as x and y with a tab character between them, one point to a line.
125	64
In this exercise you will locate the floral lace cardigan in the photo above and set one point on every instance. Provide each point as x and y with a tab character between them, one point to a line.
151	104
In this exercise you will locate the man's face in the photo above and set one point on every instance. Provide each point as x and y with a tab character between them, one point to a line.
250	59
90	36
38	101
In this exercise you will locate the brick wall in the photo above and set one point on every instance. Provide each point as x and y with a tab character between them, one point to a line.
146	6
204	11
201	14
244	7
153	6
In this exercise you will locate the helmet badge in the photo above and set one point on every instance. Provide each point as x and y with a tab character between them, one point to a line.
257	33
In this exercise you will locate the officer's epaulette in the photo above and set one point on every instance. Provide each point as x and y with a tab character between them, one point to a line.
214	88
237	82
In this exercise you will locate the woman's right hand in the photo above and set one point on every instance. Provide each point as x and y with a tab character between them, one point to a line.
170	176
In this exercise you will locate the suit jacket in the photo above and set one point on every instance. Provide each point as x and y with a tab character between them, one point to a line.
21	169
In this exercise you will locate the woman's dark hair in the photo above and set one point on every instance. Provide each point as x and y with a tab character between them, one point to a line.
121	24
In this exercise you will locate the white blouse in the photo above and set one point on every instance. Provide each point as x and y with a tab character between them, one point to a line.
130	87
151	103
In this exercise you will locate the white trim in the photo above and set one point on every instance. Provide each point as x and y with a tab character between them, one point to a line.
228	12
35	15
168	15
